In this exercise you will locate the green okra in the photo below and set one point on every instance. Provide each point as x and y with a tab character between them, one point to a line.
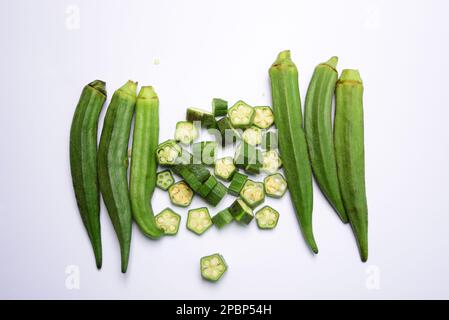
319	133
113	165
143	161
83	161
292	141
350	154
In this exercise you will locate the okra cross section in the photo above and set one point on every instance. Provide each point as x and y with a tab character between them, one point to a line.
168	221
267	218
198	220
213	267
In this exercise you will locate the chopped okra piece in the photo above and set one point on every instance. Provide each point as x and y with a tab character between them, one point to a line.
225	168
253	168
204	152
198	220
222	218
213	267
216	194
241	115
275	185
241	212
168	152
207	186
168	221
237	183
264	117
228	133
180	194
185	132
246	154
271	162
269	140
252	136
219	107
206	118
267	218
253	193
164	179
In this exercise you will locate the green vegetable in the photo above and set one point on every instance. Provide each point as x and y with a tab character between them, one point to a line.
206	118
225	168
267	218
252	136
275	185
253	193
271	162
191	179
228	133
264	117
168	221
222	218
246	154
253	168
198	170
292	141
241	115
113	165
237	183
204	152
216	194
207	186
168	152
83	161
213	267
164	180
143	162
350	154
241	212
198	220
180	194
185	132
269	140
219	107
319	133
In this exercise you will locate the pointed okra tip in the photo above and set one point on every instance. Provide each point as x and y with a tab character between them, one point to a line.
351	75
99	85
147	92
129	87
332	62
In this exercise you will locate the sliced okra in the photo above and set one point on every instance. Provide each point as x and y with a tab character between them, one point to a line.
241	115
219	107
180	194
222	218
264	117
198	220
241	212
185	132
213	267
271	161
267	218
164	179
225	168
168	152
253	193
237	183
275	185
252	136
168	221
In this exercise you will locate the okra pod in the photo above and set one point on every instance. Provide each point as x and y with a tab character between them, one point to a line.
292	141
143	161
319	133
113	165
83	161
350	153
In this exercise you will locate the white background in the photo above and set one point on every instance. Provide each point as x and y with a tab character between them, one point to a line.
223	49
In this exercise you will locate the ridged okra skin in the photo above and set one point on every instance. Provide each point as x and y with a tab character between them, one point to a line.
143	161
83	161
350	152
319	133
113	165
292	141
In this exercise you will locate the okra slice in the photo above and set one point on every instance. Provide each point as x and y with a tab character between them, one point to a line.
206	118
222	218
269	140
237	183
198	220
207	186
185	132
253	168
168	221
253	193
217	193
164	179
228	133
241	212
219	107
168	152
225	168
204	152
264	117
213	267
185	157
180	194
246	154
252	136
271	162
267	218
241	115
275	185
